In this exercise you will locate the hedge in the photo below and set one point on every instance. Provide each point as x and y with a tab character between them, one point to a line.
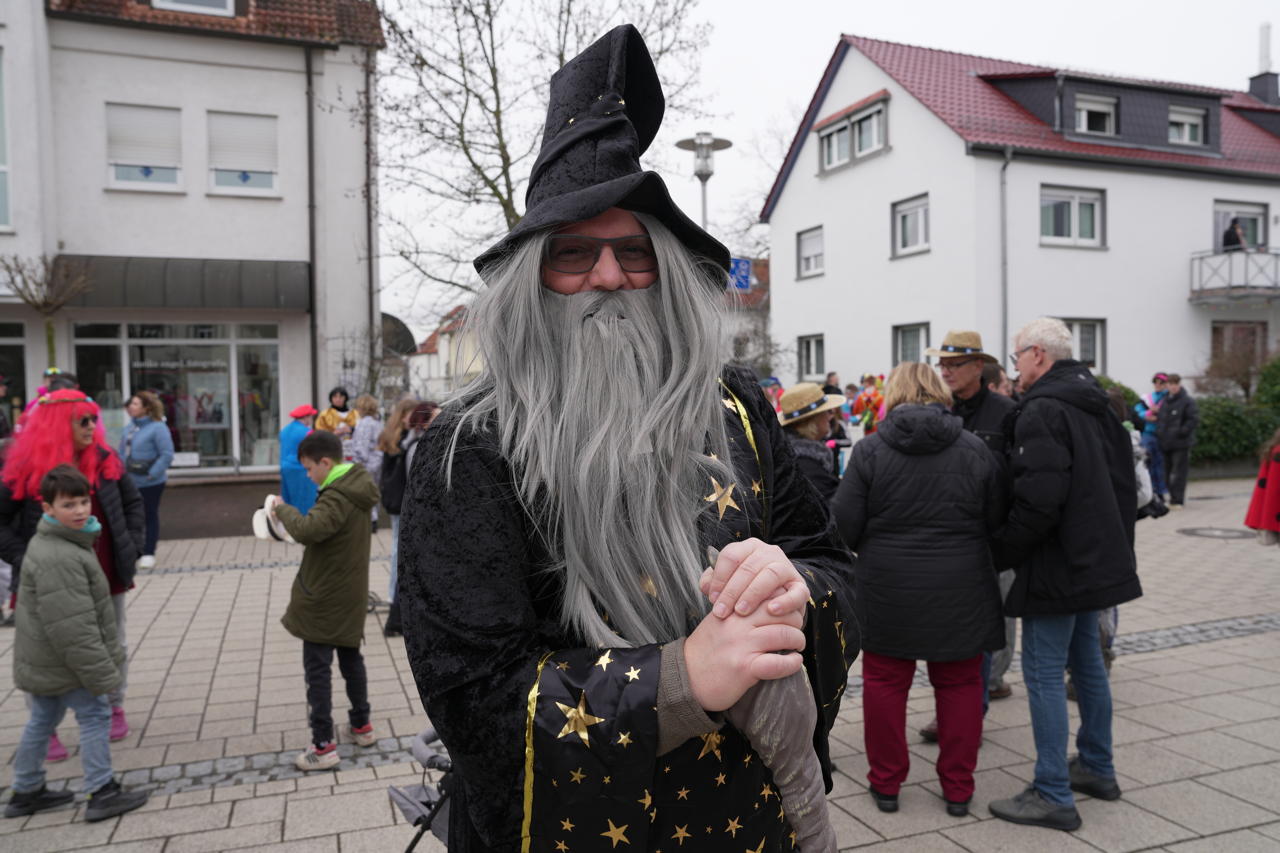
1230	430
1130	395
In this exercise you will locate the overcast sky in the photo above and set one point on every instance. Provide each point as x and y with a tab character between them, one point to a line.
765	58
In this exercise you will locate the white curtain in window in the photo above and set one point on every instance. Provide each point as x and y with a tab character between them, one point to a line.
242	142
144	136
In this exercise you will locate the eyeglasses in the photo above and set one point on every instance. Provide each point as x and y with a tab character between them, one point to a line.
577	253
88	421
952	365
1016	354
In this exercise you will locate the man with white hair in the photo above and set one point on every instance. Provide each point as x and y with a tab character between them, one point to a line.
570	641
1069	537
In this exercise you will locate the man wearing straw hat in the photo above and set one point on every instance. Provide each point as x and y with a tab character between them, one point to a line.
570	641
807	412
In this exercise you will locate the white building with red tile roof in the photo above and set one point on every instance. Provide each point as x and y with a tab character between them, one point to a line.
927	190
208	165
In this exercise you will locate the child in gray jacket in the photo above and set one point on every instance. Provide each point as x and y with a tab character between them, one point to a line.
66	654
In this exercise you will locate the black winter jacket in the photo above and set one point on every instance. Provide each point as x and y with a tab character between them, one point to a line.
813	458
983	415
1176	421
125	520
1070	529
918	503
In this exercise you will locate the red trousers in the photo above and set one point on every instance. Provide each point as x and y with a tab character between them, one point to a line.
957	690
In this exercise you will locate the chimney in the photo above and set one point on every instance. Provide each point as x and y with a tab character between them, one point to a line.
1265	85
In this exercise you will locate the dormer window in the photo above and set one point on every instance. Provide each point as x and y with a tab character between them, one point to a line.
868	130
1096	114
224	8
835	147
1186	126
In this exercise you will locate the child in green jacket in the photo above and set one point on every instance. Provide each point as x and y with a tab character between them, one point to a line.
331	592
66	654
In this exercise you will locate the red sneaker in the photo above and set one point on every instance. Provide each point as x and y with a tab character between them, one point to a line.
57	752
119	725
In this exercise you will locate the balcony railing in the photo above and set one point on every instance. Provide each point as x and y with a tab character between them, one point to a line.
1252	276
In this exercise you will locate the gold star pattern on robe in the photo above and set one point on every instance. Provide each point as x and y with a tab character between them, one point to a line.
722	497
563	666
720	780
682	794
577	775
756	488
682	832
632	674
604	661
624	738
759	847
711	744
578	719
728	404
616	833
561	846
646	800
733	827
767	792
566	825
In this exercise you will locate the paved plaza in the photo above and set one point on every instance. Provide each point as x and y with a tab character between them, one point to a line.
217	711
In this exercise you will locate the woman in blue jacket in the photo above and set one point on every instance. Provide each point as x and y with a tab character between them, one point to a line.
147	450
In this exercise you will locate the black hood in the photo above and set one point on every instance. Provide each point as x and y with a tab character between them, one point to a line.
920	430
1071	382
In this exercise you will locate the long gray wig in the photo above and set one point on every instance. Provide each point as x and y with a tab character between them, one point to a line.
608	409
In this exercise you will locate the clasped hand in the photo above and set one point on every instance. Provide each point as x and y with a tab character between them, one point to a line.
754	629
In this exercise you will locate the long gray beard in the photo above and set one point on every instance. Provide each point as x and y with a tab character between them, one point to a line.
615	467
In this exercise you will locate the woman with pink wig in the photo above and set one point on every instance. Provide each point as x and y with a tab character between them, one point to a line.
64	427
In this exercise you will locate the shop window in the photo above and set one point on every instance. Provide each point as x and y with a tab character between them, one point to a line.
910	342
242	154
811	358
144	147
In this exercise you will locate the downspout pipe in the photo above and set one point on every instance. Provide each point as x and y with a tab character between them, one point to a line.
311	227
1004	255
375	336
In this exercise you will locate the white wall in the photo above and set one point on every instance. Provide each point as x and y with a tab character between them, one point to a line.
864	292
24	58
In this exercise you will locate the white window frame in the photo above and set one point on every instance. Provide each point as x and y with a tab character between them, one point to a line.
1225	211
830	146
1185	119
116	183
913	208
228	10
214	188
1075	196
811	353
1086	104
817	265
898	331
875	114
1076	326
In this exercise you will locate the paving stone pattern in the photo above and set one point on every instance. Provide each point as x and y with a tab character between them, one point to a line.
217	710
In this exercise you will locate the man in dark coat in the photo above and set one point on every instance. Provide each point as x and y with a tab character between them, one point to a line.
567	635
1176	432
1069	537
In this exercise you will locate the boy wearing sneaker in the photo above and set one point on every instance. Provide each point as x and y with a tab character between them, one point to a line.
331	592
66	652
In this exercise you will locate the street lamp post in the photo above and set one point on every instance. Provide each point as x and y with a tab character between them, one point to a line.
702	145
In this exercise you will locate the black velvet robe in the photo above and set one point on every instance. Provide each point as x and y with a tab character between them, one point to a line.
555	743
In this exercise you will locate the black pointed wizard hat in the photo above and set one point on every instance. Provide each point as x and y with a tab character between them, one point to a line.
605	109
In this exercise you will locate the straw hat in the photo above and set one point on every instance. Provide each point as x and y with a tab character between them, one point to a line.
805	400
961	343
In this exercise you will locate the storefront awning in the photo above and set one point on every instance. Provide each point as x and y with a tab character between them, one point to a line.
122	282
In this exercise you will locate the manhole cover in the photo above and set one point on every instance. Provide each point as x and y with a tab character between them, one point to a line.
1217	532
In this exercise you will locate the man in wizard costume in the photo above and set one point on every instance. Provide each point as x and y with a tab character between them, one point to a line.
573	638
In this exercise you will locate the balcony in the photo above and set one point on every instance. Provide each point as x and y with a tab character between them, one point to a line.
1219	278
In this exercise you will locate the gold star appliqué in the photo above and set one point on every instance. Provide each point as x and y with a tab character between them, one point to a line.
759	847
682	832
604	661
624	738
733	827
578	719
646	801
616	833
722	497
720	780
711	744
682	794
566	825
728	404
767	792
563	666
633	674
561	846
577	775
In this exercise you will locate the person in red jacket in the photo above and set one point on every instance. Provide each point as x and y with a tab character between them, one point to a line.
1264	508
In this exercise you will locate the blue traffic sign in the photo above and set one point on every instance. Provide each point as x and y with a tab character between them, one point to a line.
740	273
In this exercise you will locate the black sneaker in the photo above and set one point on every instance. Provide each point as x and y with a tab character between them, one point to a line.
1031	809
1085	782
111	800
884	802
31	802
